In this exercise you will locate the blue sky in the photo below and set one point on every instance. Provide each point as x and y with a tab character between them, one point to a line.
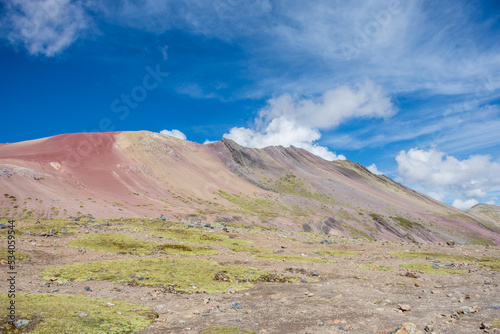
407	88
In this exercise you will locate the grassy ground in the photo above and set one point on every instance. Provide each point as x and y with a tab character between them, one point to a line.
4	255
196	236
240	248
182	274
49	227
50	313
336	253
124	244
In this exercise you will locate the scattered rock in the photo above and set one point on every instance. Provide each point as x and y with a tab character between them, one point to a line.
83	315
406	328
466	310
232	291
429	328
485	326
302	280
87	288
411	274
236	306
325	241
3	226
21	323
404	307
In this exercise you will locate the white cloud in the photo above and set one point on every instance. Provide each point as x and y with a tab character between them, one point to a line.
297	121
174	133
373	168
221	18
333	107
285	132
44	27
464	205
433	172
208	142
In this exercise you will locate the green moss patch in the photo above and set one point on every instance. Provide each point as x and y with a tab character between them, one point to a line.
196	236
49	313
289	258
259	206
226	330
291	184
336	253
355	232
19	256
46	227
428	268
136	224
490	263
179	274
486	262
124	244
374	267
240	248
437	256
405	223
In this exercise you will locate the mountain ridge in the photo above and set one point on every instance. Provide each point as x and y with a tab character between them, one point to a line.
145	174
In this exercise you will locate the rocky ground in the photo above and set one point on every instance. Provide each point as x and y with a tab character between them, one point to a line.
334	297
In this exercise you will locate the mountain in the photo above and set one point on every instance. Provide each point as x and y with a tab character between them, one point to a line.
488	212
145	174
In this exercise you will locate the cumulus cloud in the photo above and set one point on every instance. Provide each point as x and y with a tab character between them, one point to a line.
464	205
287	120
333	107
174	133
285	132
373	168
435	172
44	27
